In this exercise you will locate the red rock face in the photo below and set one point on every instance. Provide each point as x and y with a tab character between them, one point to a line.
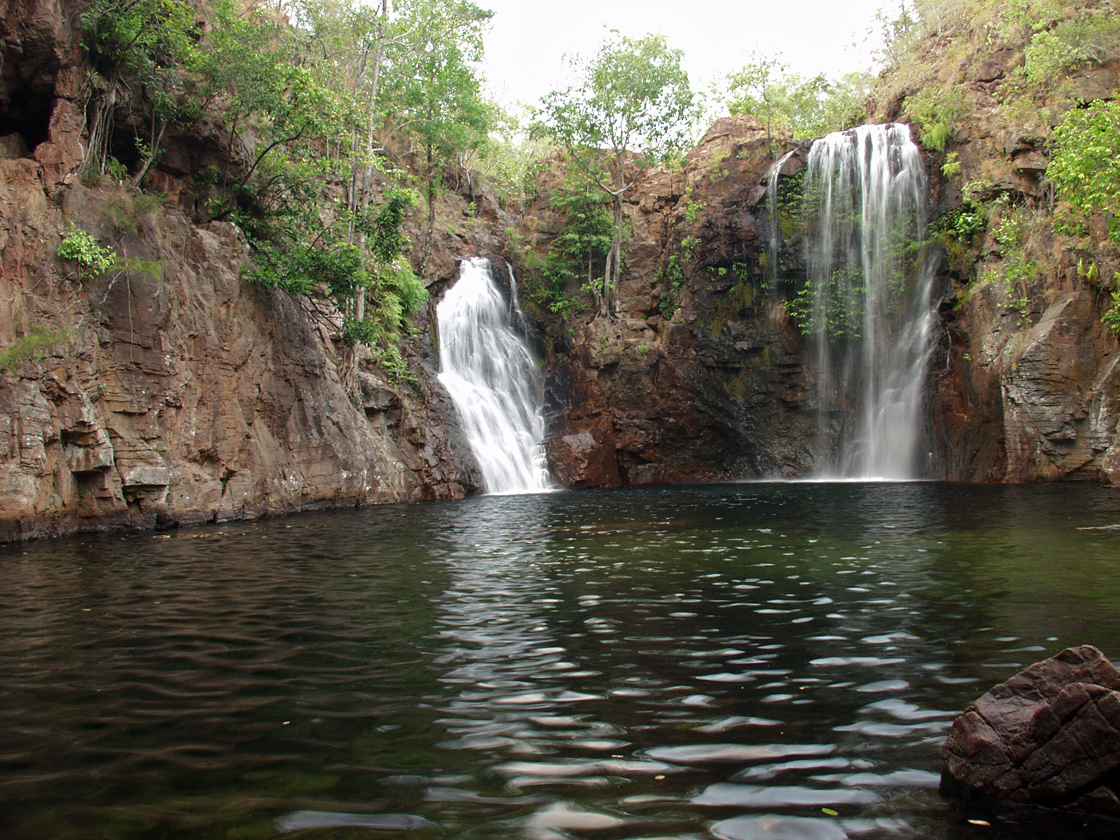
708	390
189	395
1050	735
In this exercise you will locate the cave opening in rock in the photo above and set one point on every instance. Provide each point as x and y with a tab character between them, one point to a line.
26	113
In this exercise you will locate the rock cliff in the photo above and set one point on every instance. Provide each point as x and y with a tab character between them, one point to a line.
170	391
1024	381
700	376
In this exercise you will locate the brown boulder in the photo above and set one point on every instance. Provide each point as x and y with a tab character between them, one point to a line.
585	457
1048	736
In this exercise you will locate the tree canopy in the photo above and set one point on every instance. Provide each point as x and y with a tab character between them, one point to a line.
307	95
632	106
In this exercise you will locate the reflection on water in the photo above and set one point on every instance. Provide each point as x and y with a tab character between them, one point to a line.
753	661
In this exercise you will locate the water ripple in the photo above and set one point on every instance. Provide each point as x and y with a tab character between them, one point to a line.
760	661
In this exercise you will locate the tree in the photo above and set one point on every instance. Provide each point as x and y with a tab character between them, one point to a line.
754	89
803	107
633	107
581	248
139	50
315	261
434	93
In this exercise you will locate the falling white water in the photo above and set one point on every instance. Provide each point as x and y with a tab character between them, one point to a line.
872	316
493	380
773	246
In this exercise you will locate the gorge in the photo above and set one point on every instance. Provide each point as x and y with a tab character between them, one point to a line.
644	491
152	398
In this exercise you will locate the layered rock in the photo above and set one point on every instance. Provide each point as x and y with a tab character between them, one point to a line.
1049	736
177	393
708	387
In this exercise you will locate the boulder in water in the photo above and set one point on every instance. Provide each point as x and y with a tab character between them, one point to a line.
1048	736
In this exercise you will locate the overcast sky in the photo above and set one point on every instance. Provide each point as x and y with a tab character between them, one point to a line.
525	48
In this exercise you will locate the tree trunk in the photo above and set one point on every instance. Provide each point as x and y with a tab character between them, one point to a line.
429	233
360	183
100	129
613	272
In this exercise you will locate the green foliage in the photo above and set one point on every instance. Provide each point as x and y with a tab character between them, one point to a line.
964	223
673	276
633	97
1059	46
692	209
128	208
375	290
437	89
836	311
384	238
1111	316
91	258
1019	271
1085	169
792	206
511	162
577	255
952	166
143	50
957	232
31	347
937	113
797	105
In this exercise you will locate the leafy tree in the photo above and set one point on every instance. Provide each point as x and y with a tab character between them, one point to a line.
1085	168
632	107
579	252
315	261
754	89
278	108
434	95
803	107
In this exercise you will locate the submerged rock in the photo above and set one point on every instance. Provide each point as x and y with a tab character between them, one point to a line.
1048	736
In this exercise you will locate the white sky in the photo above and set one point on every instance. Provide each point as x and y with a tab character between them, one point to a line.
528	39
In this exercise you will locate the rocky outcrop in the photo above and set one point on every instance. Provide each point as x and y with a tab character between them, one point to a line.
699	376
1026	378
174	392
1048	736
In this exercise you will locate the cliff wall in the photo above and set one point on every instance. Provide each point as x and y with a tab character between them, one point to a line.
171	391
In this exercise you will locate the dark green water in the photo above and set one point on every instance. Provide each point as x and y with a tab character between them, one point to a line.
751	661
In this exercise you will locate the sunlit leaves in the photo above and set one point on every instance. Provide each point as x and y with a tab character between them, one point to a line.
1085	168
634	96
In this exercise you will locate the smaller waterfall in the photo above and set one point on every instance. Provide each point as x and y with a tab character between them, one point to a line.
774	245
494	382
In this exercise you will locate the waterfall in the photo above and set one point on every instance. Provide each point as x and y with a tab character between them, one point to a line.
867	300
773	245
492	378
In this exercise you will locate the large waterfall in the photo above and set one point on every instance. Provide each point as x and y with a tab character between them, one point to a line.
491	376
867	300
